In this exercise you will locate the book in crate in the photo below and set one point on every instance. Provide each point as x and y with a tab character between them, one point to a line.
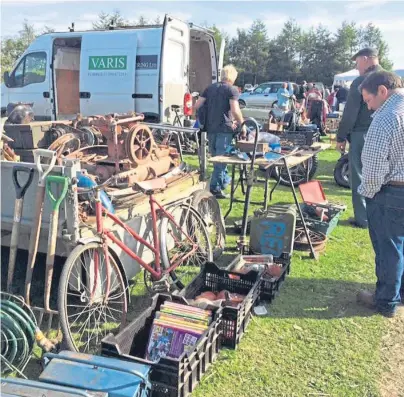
176	329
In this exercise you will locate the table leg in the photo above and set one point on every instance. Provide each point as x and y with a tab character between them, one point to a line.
243	177
313	253
307	170
232	189
277	182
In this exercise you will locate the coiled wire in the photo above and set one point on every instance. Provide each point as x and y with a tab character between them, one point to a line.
17	333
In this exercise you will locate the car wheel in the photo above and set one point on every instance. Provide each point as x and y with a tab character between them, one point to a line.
242	104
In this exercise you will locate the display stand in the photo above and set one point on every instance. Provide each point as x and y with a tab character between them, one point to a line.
287	161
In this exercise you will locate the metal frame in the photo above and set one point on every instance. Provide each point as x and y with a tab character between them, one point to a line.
106	234
250	181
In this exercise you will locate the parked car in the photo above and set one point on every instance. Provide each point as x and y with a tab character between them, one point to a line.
265	94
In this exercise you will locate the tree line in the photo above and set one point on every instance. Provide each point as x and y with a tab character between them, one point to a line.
296	54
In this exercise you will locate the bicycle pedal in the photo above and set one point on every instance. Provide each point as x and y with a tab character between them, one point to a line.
162	285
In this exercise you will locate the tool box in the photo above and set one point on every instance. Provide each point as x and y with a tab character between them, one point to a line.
321	215
76	374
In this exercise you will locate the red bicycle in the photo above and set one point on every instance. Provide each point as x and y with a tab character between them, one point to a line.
93	294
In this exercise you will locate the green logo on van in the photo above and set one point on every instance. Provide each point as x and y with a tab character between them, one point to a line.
112	62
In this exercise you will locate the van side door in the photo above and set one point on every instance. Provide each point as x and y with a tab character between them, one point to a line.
175	66
107	72
30	82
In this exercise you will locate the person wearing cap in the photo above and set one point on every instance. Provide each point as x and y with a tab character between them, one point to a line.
353	127
383	188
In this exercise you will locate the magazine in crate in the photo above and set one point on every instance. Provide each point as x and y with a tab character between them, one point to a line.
176	329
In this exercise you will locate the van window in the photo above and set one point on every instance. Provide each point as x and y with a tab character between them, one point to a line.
174	70
30	70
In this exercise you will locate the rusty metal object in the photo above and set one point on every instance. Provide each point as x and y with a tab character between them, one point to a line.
318	240
139	144
64	145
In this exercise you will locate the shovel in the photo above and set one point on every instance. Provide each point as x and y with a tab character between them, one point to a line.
53	228
39	154
20	191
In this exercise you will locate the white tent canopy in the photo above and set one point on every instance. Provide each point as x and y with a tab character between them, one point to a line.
346	78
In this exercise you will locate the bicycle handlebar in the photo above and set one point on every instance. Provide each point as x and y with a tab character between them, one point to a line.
96	188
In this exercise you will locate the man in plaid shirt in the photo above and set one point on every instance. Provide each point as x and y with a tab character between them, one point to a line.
383	188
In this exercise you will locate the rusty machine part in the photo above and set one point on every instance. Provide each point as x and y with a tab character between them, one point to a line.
318	240
139	144
64	145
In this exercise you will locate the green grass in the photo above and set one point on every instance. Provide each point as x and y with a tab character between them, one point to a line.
315	340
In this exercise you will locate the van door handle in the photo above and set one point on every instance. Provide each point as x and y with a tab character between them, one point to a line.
46	94
85	95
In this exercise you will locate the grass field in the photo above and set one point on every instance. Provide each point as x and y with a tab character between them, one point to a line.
315	341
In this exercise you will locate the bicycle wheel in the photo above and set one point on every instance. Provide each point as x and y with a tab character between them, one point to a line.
163	136
86	320
209	209
298	173
178	241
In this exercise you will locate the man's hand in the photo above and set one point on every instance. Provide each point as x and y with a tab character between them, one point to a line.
243	133
340	146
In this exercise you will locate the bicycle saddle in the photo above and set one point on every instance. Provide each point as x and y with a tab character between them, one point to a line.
152	186
175	107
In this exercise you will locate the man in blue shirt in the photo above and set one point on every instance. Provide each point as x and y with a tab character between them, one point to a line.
283	97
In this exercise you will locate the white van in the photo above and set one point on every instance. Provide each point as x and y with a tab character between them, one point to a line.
143	69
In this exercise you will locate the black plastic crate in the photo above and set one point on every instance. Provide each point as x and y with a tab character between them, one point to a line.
301	138
169	377
269	285
235	318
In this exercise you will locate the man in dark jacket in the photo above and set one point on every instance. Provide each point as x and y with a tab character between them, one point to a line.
222	114
353	128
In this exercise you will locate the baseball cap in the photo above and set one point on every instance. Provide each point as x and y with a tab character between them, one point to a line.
366	52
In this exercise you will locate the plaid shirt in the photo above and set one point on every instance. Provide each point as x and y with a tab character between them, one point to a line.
383	152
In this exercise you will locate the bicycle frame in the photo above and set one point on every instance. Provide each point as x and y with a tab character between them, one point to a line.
155	248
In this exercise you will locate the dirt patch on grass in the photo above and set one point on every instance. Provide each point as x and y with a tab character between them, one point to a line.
392	382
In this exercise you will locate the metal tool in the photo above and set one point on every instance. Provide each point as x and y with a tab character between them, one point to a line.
39	155
20	190
53	228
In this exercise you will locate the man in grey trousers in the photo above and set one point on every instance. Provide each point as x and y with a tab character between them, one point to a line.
353	127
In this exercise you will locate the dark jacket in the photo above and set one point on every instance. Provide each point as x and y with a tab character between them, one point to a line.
356	116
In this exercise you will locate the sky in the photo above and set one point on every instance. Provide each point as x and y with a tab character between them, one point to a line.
226	15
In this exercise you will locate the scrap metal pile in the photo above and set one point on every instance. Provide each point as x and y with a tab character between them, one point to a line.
118	146
115	145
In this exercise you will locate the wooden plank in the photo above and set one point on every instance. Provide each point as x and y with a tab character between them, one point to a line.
141	206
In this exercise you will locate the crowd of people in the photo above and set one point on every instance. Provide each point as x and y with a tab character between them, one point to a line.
373	125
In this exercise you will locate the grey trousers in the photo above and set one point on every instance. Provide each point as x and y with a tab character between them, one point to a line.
357	140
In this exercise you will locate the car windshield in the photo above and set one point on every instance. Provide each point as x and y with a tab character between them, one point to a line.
268	88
